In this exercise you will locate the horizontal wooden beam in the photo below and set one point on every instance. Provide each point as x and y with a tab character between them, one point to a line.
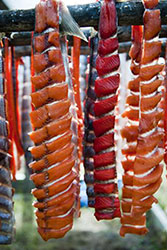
24	38
129	13
124	35
85	50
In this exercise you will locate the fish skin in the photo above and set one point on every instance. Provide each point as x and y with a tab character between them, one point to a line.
3	107
6	203
5	239
88	151
88	165
6	190
3	128
4	175
4	215
6	227
4	144
89	178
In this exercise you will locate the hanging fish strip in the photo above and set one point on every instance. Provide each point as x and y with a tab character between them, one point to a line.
54	152
107	205
25	100
6	192
89	135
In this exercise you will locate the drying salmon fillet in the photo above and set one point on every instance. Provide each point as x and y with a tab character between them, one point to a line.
133	230
130	133
52	93
56	201
103	142
107	46
150	4
150	178
55	188
102	116
147	89
49	112
51	146
107	86
46	40
105	65
105	123
51	130
152	23
151	52
56	222
105	106
103	175
53	158
134	84
144	164
56	210
149	103
107	26
147	73
54	173
47	234
135	50
54	169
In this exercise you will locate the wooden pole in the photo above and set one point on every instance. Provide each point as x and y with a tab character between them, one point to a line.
128	12
85	50
124	35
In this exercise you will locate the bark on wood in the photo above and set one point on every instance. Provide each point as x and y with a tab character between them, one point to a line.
124	35
129	13
85	50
